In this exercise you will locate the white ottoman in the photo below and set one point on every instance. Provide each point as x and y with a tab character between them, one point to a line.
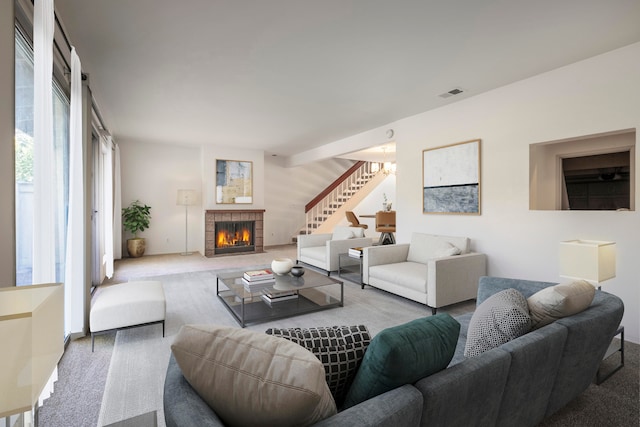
127	305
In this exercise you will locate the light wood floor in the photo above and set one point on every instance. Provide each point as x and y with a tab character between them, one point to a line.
157	265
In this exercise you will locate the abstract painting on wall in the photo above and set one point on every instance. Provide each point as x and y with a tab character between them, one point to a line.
234	181
451	179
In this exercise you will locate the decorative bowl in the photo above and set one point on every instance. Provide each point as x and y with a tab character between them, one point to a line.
281	266
297	270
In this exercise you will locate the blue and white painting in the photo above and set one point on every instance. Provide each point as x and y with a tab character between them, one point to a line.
451	178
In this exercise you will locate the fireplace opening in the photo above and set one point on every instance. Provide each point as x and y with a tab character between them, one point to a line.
234	236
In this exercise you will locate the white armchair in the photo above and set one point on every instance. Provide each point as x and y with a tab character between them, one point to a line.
322	250
432	270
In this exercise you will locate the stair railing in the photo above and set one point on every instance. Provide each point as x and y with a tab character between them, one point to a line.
336	194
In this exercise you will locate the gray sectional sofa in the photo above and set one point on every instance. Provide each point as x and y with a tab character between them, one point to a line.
519	383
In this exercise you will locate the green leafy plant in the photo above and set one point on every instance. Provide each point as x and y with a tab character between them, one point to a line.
136	217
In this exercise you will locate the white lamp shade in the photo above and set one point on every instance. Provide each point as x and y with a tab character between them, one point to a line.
590	260
187	197
32	333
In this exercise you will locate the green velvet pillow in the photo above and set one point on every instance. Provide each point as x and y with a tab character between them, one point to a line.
404	354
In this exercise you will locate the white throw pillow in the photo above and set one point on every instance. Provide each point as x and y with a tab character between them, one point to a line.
449	250
555	302
342	233
357	232
247	378
425	247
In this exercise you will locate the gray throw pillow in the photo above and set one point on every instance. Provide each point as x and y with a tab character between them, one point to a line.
499	319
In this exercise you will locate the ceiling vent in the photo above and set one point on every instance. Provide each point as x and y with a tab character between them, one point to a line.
452	92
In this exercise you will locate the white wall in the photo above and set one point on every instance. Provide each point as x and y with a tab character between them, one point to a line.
153	173
598	95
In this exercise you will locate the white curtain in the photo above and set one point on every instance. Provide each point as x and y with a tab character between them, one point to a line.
117	207
44	188
108	206
74	260
44	174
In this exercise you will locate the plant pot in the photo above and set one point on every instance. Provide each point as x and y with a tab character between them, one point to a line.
136	247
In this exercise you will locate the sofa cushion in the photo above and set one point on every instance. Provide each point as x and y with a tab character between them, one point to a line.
559	301
426	246
248	377
499	319
319	253
339	348
412	275
403	354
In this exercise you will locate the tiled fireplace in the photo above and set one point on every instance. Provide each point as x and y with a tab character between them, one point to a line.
230	232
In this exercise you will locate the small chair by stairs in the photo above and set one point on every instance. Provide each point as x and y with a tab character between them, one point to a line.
353	220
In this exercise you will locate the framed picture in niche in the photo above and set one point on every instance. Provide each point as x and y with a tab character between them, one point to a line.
234	182
451	179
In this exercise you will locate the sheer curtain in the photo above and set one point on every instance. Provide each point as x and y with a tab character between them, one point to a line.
74	260
44	253
44	173
108	206
117	207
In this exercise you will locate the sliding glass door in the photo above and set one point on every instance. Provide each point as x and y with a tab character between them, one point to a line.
25	147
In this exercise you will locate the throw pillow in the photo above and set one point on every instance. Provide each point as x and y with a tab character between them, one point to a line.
424	247
403	354
339	348
499	319
247	378
555	302
342	233
447	251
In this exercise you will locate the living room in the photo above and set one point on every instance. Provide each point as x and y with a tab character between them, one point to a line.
597	95
520	242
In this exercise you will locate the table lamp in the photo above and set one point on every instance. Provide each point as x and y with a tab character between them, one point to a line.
32	336
590	260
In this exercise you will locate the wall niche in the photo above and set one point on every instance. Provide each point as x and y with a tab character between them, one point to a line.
593	172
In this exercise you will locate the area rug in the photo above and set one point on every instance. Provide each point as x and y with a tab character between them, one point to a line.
138	366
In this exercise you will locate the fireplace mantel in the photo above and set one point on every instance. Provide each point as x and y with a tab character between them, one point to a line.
212	216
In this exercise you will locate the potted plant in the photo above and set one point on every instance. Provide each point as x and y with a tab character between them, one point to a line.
135	218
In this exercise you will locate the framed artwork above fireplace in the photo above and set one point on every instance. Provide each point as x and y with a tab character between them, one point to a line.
234	182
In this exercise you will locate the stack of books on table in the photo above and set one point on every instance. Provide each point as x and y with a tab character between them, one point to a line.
355	252
256	280
273	297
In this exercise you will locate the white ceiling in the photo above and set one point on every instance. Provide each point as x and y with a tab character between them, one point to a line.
287	76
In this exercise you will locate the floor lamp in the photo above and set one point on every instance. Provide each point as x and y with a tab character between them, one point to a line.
187	198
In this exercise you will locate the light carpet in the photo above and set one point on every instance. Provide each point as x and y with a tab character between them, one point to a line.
138	366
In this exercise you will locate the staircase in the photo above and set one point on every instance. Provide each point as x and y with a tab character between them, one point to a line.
328	208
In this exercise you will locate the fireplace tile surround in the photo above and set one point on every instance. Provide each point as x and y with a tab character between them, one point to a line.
212	216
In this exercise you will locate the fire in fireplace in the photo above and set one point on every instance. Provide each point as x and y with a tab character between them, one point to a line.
234	236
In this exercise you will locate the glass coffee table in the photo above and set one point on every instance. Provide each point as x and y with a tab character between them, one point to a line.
314	292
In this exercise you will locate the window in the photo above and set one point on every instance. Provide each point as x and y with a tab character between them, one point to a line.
597	182
24	165
594	172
